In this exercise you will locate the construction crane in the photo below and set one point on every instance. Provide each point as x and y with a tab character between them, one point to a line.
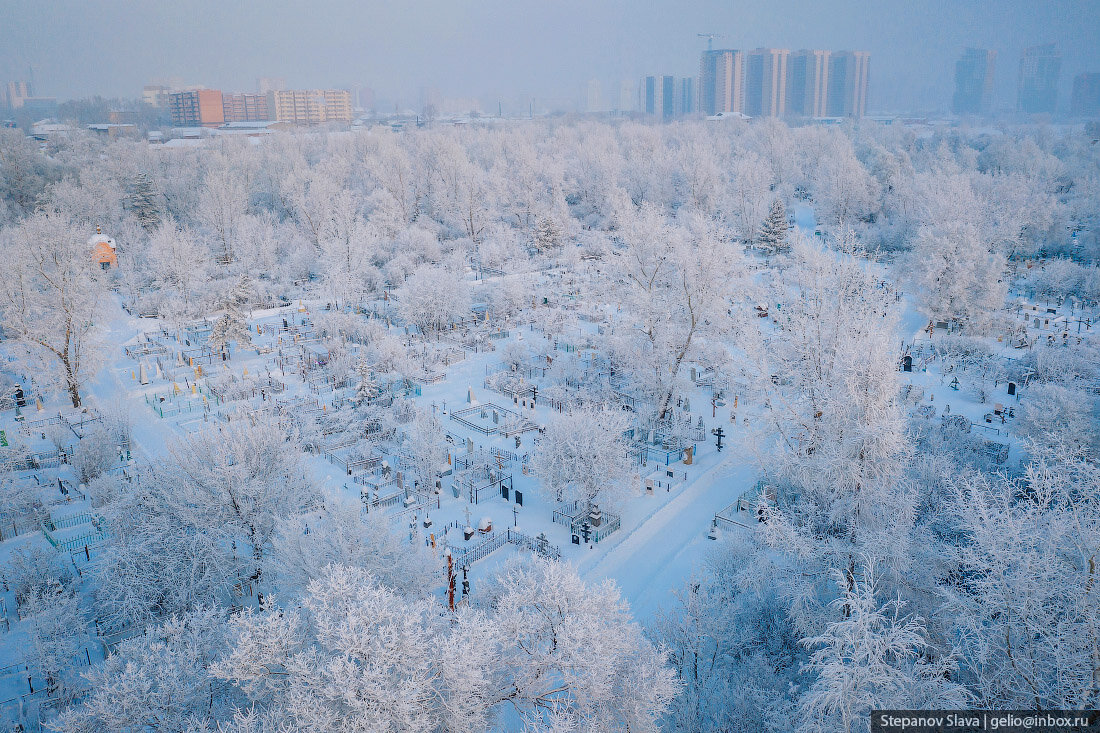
710	39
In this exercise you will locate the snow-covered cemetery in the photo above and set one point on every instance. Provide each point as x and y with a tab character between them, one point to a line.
548	425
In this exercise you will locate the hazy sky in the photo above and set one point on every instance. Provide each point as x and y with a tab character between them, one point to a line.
511	48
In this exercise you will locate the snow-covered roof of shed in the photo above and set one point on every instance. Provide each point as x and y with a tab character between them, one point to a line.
99	238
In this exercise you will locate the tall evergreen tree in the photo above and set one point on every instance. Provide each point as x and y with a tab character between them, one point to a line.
773	233
232	324
143	201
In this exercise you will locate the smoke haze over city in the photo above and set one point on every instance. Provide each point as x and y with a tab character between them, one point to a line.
507	51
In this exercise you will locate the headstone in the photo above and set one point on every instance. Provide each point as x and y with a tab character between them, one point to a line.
1012	388
595	516
143	374
907	363
519	497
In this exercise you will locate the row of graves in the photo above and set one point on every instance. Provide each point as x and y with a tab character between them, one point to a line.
482	483
49	522
980	382
1050	325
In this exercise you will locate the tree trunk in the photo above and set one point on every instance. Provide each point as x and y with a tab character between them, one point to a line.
666	399
71	384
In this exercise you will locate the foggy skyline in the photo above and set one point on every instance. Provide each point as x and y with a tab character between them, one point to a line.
506	50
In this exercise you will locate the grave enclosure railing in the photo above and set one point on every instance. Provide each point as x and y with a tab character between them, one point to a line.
496	540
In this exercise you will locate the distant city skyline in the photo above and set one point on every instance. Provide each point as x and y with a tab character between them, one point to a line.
511	51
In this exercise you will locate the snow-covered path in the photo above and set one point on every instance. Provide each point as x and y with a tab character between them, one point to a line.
655	559
150	435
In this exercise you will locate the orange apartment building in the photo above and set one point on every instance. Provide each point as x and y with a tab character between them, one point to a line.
197	108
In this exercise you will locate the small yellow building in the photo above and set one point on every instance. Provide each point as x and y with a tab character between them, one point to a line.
103	250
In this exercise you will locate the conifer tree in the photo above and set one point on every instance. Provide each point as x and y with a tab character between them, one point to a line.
232	324
367	390
773	233
143	202
548	233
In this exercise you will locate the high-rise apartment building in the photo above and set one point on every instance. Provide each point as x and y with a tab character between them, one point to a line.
1037	85
974	82
593	97
847	86
766	82
721	76
267	84
1086	96
17	92
197	108
808	83
666	97
651	96
684	104
245	107
628	93
309	106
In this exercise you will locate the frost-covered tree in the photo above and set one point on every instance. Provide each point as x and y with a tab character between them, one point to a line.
1024	606
872	658
366	387
158	680
30	569
50	300
427	448
749	195
159	560
548	233
356	656
342	534
222	205
433	298
827	373
1056	418
232	324
573	649
143	202
25	174
959	277
239	481
773	233
732	643
583	457
676	280
179	265
56	634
